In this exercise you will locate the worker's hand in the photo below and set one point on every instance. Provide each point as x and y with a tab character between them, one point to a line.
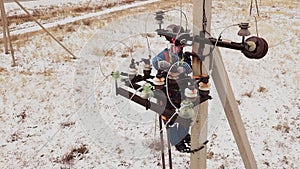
163	65
181	69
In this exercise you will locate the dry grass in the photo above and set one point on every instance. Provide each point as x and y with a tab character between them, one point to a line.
267	163
210	155
48	72
87	22
149	35
124	55
262	89
26	72
281	3
70	29
75	153
14	137
109	52
67	124
283	128
4	71
248	94
22	116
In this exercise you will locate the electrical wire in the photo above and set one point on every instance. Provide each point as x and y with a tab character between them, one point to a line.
181	13
215	45
256	27
130	54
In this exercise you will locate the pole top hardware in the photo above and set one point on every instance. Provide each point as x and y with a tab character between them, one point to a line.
244	29
253	47
159	16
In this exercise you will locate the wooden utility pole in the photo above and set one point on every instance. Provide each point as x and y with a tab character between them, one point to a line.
202	8
4	26
201	12
6	34
232	112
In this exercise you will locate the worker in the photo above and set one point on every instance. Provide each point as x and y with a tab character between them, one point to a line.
174	57
174	54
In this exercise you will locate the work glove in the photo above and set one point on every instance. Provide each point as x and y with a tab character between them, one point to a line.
181	69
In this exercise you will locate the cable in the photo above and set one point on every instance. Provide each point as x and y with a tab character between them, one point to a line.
219	37
257	9
182	13
256	27
180	22
256	5
204	19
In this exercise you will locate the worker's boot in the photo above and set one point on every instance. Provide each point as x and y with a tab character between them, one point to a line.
181	147
187	139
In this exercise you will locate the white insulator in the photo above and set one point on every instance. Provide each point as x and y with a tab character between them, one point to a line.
190	93
173	75
147	67
204	86
132	71
159	81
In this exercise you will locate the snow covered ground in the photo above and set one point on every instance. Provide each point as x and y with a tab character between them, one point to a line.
56	112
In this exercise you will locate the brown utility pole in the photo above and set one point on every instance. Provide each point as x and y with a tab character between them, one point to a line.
199	129
202	8
221	81
4	26
6	34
